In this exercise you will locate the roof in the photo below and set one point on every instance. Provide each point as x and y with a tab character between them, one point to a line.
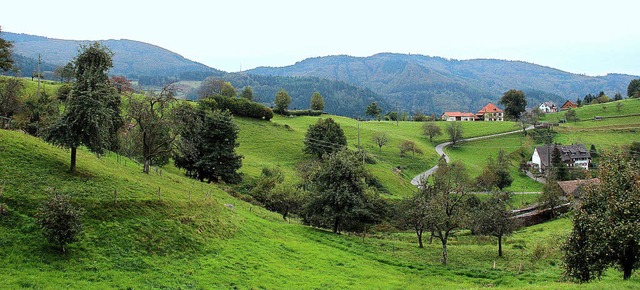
548	104
459	114
570	187
490	108
569	104
568	153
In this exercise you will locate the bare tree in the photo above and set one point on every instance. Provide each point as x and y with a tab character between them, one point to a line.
380	139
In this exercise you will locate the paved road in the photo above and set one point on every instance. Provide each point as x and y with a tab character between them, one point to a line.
440	150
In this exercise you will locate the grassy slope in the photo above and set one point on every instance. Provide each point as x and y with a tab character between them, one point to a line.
273	144
147	242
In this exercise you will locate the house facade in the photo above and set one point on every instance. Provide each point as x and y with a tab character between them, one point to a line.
574	156
457	116
548	107
490	113
568	105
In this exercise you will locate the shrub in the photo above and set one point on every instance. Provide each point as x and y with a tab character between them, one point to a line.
60	220
238	107
304	112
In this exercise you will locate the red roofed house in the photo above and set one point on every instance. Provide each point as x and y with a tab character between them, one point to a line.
457	116
568	105
490	113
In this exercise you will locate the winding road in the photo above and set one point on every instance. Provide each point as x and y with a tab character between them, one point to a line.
440	150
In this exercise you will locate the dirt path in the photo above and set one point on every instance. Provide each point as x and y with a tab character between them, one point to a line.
440	150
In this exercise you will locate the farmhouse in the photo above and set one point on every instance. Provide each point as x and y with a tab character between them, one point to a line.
576	156
457	116
490	113
568	105
548	107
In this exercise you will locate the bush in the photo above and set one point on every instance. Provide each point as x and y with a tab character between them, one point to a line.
238	107
60	220
304	112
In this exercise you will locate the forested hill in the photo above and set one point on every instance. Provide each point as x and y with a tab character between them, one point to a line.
434	84
340	98
131	58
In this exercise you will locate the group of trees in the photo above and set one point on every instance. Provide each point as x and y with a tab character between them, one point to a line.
283	100
443	205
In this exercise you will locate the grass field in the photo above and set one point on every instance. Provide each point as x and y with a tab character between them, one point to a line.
195	235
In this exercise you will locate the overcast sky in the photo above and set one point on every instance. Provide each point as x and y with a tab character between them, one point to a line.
586	37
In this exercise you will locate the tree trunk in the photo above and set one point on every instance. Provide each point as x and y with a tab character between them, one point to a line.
419	233
335	225
145	153
72	167
445	257
284	215
431	238
500	246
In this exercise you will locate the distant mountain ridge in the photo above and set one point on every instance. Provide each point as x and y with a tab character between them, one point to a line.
435	84
131	58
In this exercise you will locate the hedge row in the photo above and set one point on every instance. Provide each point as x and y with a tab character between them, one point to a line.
238	107
304	112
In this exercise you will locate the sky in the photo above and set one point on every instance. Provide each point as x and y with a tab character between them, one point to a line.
585	37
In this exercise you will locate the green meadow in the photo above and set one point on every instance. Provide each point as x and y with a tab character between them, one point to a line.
195	235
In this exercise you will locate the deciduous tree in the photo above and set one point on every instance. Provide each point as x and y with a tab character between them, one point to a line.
493	217
153	127
633	90
247	93
10	90
514	103
606	232
380	139
339	197
409	146
373	111
324	137
6	62
282	102
454	129
317	102
446	196
92	117
430	129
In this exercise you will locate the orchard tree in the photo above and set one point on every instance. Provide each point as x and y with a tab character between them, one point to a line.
606	232
514	103
374	111
454	129
447	195
380	139
212	86
633	90
430	129
413	212
324	137
282	102
6	62
494	218
570	115
496	173
247	93
121	84
409	146
153	126
92	117
552	195
317	102
339	197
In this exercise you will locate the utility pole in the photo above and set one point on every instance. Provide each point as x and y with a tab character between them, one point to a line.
358	134
39	61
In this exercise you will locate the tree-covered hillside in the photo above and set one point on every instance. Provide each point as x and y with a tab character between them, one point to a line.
434	84
340	97
131	58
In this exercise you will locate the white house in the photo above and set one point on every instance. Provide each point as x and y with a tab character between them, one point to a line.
548	107
572	155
